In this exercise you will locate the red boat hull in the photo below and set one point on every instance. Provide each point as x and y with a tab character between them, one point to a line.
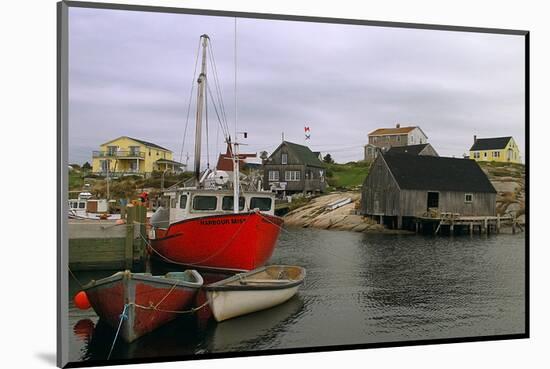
109	296
242	241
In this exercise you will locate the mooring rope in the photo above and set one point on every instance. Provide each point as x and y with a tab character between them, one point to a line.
154	307
275	224
74	276
123	317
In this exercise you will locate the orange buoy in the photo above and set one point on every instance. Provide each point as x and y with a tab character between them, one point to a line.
81	301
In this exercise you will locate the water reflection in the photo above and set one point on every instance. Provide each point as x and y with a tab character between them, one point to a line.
261	330
359	288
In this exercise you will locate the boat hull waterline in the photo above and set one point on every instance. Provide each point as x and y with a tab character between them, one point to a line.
140	292
243	241
257	290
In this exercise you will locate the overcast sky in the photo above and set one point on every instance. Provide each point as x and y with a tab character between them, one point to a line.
130	73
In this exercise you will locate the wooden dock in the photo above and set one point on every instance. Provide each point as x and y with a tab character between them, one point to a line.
106	245
456	222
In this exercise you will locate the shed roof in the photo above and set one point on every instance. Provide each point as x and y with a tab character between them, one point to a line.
146	143
304	154
437	173
225	161
391	131
493	143
410	149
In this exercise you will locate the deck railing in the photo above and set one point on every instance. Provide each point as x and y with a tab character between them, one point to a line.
119	154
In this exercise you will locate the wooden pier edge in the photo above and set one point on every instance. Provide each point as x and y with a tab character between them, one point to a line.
485	224
109	246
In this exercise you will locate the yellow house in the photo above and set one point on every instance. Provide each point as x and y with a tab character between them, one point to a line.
501	149
127	155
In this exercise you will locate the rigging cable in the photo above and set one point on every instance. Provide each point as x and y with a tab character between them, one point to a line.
235	52
190	100
217	83
225	129
206	121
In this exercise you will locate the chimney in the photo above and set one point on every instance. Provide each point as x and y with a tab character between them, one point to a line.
397	125
475	138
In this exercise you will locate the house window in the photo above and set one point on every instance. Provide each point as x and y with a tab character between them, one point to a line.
292	175
183	201
205	203
476	155
227	203
262	203
134	150
468	198
484	154
496	154
398	138
284	158
111	150
273	175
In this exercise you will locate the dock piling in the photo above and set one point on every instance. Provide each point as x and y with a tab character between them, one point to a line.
129	244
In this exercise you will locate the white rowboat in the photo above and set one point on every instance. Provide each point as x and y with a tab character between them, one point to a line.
253	291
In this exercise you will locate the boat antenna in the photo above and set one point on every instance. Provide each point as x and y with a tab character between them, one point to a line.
200	107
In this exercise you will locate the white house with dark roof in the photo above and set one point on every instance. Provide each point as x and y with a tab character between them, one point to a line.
382	139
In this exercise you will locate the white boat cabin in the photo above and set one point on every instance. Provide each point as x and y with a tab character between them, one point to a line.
194	203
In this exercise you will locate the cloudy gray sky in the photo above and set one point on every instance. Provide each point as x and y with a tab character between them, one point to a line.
130	73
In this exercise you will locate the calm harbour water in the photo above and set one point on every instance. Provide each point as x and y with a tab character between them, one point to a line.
360	288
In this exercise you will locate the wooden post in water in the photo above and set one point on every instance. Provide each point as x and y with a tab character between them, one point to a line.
471	226
129	243
498	223
486	228
141	218
416	226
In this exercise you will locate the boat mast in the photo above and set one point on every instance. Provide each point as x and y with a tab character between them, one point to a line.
200	107
235	177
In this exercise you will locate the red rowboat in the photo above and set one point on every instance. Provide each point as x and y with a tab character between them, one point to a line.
243	241
150	301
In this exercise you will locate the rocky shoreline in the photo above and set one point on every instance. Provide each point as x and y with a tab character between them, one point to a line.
317	213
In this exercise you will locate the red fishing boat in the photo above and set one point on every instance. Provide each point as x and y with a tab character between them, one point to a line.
147	302
202	226
218	238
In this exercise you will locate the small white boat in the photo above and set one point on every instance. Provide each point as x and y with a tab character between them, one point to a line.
256	290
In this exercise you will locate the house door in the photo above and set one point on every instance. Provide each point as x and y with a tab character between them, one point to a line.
433	200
